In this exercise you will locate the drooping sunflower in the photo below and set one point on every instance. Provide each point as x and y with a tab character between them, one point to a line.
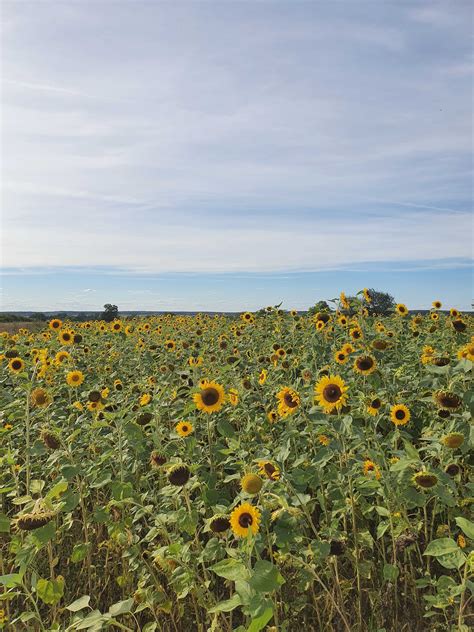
445	400
425	480
288	401
184	428
343	300
219	523
400	414
40	398
179	475
374	406
401	309
330	393
16	365
367	296
251	483
75	378
453	440
459	325
210	398
365	365
244	520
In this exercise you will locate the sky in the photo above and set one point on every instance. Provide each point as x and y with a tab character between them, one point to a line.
232	155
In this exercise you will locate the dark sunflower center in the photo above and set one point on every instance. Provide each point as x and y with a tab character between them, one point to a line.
449	400
245	520
289	401
66	336
332	393
400	414
376	403
269	469
365	364
210	396
16	364
184	428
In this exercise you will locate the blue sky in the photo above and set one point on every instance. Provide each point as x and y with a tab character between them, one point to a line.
209	155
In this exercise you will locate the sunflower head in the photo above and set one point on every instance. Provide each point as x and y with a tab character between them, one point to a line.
16	365
288	401
400	414
330	393
374	406
425	480
74	378
401	309
31	521
40	398
269	470
210	398
365	365
50	439
447	400
184	428
179	475
452	469
245	520
157	459
453	440
220	523
251	484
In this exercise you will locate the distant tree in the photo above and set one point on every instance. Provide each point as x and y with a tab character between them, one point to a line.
380	303
320	306
38	316
110	313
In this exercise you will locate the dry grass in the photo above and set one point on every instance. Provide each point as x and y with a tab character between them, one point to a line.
13	328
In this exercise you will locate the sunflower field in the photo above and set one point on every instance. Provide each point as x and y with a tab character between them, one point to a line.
271	471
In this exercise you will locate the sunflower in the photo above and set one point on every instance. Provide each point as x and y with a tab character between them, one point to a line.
340	357
347	348
145	399
367	296
157	459
269	470
262	378
330	393
379	345
170	345
459	325
16	365
399	414
66	337
40	398
61	356
436	304
247	317
342	320
251	483
453	440
434	316
75	378
356	333
244	520
184	428
55	324
320	325
219	523
401	309
343	301
272	416
211	397
179	475
30	521
374	407
233	396
50	439
447	400
425	480
370	467
365	365
116	326
324	440
288	401
454	312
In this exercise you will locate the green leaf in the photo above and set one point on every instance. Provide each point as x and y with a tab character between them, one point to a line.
79	552
44	534
93	619
225	429
467	526
4	523
258	623
11	580
442	546
266	577
230	569
79	604
390	572
228	605
50	591
121	607
57	490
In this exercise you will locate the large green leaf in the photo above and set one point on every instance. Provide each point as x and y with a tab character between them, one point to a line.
228	605
442	546
467	526
50	591
266	577
231	569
